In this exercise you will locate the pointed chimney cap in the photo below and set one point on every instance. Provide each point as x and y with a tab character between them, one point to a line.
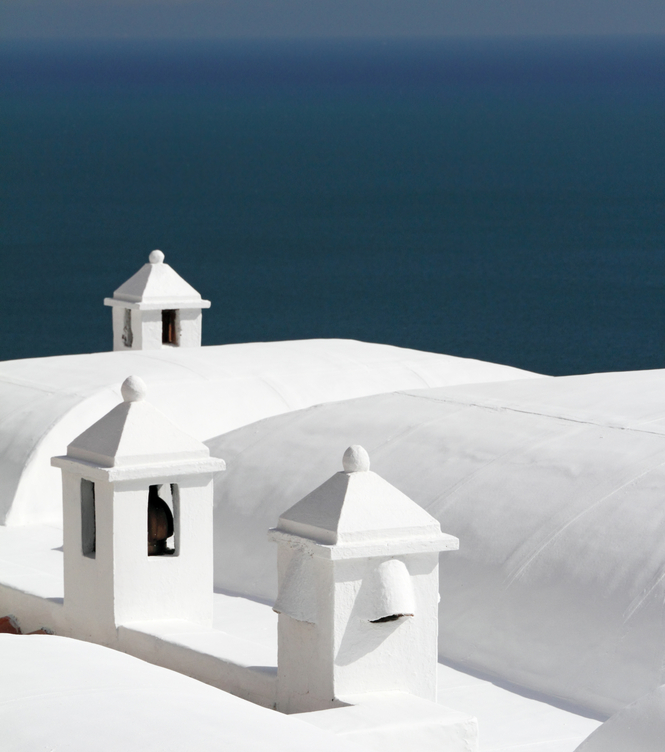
156	286
357	506
136	440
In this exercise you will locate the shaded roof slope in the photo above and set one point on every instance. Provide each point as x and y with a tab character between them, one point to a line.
639	727
554	488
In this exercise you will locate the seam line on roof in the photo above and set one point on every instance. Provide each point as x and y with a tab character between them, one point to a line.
507	408
517	574
27	384
411	369
152	356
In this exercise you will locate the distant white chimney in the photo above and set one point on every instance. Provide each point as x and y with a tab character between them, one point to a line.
358	591
155	309
137	517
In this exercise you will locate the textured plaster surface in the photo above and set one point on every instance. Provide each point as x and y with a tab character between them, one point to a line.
509	721
395	721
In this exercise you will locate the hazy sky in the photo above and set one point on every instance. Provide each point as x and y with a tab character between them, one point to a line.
326	18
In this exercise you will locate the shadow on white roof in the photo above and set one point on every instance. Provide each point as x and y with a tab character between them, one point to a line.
554	488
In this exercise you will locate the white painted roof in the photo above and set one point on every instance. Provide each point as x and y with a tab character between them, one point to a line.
62	694
156	286
31	561
554	488
639	727
46	402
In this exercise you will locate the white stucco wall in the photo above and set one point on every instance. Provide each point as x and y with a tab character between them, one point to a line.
351	553
148	330
189	323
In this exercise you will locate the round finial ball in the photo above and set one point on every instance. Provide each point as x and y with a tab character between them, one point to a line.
355	460
133	389
156	257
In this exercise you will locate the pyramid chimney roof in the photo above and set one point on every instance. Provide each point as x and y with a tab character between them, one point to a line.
156	285
357	506
135	440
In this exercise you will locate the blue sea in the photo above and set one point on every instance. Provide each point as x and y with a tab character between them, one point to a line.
502	200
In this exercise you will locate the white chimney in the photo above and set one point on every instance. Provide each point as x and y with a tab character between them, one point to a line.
137	517
358	591
156	309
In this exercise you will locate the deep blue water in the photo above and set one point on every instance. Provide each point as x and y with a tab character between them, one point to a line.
503	200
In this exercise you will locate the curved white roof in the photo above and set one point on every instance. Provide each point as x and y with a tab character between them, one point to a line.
639	727
554	488
58	693
46	402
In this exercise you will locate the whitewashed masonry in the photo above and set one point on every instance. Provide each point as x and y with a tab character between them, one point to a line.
358	573
155	309
358	566
133	459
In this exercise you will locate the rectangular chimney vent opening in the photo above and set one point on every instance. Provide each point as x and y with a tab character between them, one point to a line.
88	521
169	329
127	333
163	520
